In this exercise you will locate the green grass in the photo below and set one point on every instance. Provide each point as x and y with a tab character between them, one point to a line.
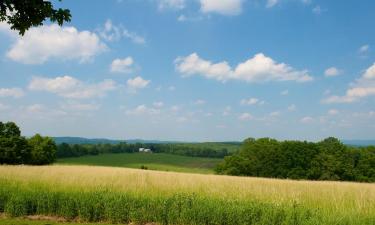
155	161
119	195
25	221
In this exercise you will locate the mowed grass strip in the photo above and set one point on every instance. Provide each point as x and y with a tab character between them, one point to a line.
119	195
154	161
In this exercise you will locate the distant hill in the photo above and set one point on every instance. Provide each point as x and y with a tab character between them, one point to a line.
81	140
359	142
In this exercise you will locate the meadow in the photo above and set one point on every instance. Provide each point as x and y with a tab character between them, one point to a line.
155	161
121	195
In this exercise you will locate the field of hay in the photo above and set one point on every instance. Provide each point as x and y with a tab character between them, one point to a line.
87	193
155	161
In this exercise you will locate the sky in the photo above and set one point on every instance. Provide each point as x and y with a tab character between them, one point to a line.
195	70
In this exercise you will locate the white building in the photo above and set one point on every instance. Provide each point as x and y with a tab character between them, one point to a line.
145	150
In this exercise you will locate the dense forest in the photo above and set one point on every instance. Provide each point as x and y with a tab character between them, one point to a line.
325	160
15	149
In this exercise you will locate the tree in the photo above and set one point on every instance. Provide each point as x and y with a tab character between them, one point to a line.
24	14
9	130
13	147
43	150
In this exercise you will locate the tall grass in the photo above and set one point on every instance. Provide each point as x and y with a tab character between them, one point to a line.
126	195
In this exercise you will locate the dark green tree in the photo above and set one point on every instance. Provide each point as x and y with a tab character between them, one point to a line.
23	14
43	150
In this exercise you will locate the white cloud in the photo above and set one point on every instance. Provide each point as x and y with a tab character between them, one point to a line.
111	32
307	2
137	83
122	65
361	88
285	92
158	104
333	112
171	88
142	110
307	119
331	72
175	108
199	102
171	4
44	43
70	87
245	117
184	18
224	7
275	114
370	72
250	101
260	68
364	49
271	3
317	10
11	92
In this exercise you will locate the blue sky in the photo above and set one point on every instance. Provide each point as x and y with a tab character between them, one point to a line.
198	70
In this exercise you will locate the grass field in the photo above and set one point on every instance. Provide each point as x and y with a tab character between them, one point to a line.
156	161
87	193
26	221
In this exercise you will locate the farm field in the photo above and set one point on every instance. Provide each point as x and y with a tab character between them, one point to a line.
155	161
25	221
122	195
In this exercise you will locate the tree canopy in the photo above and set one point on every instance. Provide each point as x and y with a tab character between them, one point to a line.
24	14
15	149
325	160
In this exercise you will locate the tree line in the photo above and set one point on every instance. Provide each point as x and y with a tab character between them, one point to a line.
65	150
16	149
325	160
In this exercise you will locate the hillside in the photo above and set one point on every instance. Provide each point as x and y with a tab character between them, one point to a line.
155	161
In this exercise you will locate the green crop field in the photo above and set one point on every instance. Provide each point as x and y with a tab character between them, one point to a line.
122	195
155	161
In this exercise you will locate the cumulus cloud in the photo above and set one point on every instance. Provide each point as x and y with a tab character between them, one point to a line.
11	92
332	72
137	83
224	7
271	3
361	88
333	112
307	119
48	42
142	110
245	117
111	32
200	102
171	4
260	68
158	104
285	92
70	87
317	10
251	101
122	65
364	49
